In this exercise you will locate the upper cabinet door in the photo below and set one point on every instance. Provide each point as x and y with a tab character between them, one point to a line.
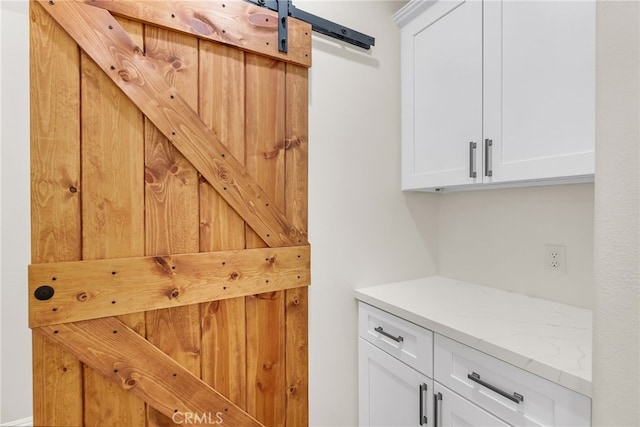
539	89
442	96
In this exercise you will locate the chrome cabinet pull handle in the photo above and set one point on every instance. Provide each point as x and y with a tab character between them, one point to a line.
437	416
472	159
515	397
488	157
388	335
423	418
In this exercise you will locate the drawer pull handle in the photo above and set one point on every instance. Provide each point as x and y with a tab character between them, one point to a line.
472	159
438	412
388	335
423	417
488	157
515	397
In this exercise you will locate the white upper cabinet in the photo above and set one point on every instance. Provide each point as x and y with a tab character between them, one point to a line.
441	94
497	92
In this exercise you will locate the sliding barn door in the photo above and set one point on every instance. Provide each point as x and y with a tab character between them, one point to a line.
170	260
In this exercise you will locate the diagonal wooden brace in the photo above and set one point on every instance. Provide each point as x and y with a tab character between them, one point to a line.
138	76
111	348
235	23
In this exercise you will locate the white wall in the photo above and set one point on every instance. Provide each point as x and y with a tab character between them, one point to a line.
1	8
363	229
14	159
497	237
616	361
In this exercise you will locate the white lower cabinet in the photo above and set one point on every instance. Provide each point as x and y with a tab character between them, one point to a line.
391	393
395	370
410	376
454	411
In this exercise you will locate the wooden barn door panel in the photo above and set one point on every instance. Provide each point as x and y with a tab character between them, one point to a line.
265	163
112	210
171	202
296	300
222	108
55	203
147	159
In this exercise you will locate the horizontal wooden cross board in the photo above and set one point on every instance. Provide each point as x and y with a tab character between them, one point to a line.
108	287
120	354
232	22
138	76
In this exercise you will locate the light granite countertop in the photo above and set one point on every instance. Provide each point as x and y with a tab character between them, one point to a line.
549	339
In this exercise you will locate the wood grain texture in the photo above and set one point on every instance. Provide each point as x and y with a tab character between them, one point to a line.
265	136
55	202
221	88
171	202
297	356
112	211
136	366
219	164
109	45
232	22
108	287
57	385
55	142
296	194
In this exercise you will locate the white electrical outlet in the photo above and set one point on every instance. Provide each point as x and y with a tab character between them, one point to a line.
555	258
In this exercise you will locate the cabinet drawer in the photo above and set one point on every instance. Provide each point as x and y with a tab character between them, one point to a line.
403	340
510	393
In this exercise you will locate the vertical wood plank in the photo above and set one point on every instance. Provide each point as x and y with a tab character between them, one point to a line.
171	202
57	385
55	201
296	192
221	88
265	138
112	211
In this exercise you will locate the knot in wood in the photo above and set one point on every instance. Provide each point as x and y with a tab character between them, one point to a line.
296	301
148	177
224	175
129	75
271	260
82	296
130	383
200	24
268	155
234	275
124	75
162	262
213	307
292	389
175	293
